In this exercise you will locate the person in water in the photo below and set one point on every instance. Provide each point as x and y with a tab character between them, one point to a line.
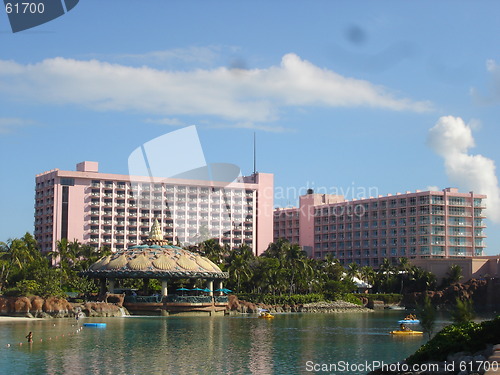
29	336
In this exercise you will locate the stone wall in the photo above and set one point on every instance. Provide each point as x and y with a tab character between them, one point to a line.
237	306
55	307
484	293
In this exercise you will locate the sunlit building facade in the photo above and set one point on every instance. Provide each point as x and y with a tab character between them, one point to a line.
420	225
114	210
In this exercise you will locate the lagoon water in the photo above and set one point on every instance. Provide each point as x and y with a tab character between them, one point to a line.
289	344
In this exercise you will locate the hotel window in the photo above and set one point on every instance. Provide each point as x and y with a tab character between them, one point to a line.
66	181
424	230
437	199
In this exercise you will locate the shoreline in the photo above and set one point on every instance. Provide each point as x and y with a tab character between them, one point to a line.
5	319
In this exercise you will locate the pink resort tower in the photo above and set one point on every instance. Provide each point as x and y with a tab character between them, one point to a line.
420	226
115	210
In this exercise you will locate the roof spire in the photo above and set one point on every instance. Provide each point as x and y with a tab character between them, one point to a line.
155	233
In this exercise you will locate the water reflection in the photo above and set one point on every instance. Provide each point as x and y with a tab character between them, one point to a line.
201	345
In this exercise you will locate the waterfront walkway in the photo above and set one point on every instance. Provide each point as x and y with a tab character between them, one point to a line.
494	359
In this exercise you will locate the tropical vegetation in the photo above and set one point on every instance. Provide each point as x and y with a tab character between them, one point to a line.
24	270
283	270
465	337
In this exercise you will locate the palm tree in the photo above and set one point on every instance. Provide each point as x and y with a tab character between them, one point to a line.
353	270
213	250
404	268
385	275
239	265
454	274
367	274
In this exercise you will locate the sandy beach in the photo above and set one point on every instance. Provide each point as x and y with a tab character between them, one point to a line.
16	318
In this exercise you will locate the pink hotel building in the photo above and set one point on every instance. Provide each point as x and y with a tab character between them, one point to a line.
118	210
422	225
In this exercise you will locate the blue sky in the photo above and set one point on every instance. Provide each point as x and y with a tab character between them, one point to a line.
341	95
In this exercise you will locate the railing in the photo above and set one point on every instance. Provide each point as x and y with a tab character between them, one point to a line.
174	298
143	299
188	299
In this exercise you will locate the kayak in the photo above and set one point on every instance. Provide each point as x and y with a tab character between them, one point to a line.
409	321
406	332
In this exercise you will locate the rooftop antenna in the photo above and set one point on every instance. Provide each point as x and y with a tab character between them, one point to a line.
254	156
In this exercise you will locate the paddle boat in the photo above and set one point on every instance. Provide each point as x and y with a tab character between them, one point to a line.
406	332
102	325
409	319
266	315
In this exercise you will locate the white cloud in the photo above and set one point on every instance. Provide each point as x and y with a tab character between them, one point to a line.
451	138
202	55
166	121
493	97
8	123
240	95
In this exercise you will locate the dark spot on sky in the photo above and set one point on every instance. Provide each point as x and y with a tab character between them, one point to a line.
356	35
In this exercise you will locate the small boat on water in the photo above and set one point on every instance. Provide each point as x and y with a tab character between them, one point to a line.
406	332
409	321
102	325
266	315
396	307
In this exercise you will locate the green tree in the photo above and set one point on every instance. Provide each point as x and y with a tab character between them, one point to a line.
453	275
463	311
368	274
239	266
213	250
353	270
427	314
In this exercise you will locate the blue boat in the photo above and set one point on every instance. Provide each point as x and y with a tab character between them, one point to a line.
94	324
409	321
